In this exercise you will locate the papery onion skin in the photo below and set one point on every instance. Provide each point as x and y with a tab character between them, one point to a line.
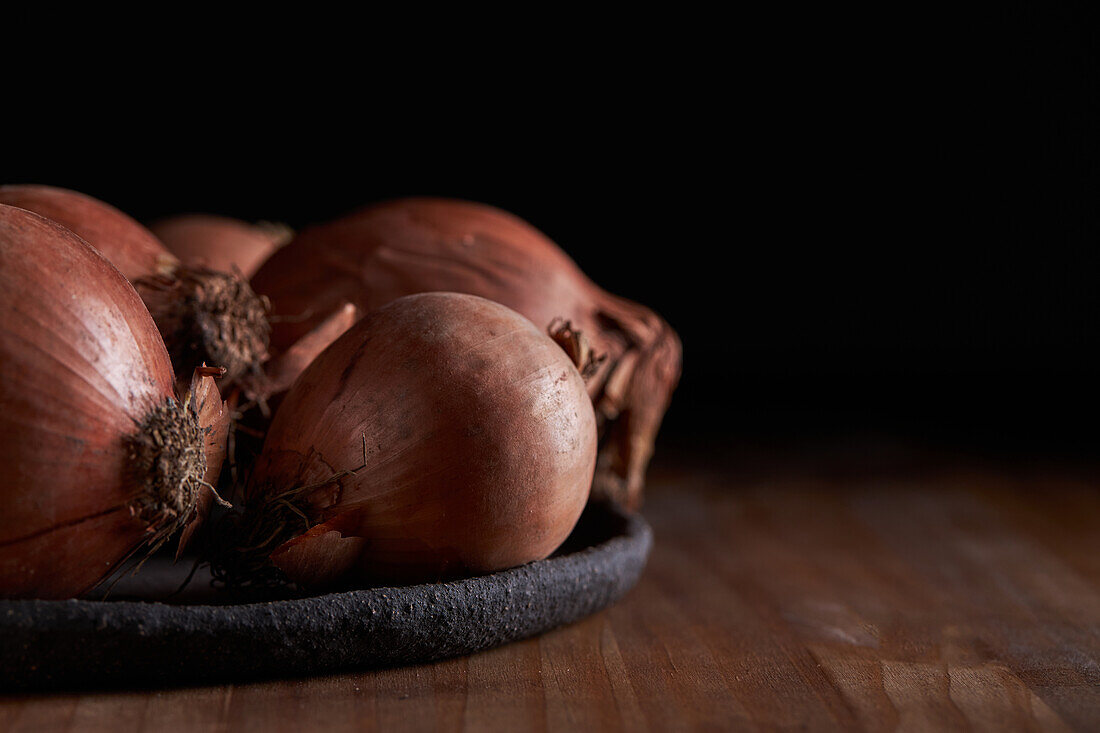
220	242
213	416
82	368
204	316
396	248
472	436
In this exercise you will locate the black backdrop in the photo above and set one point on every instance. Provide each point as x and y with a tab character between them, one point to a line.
863	223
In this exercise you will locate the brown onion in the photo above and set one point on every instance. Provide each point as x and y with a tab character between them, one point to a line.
442	434
219	242
205	316
407	246
99	456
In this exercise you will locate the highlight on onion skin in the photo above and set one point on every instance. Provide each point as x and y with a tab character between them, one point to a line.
204	315
406	246
220	242
99	455
443	434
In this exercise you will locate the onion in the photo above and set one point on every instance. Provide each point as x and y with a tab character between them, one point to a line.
416	245
442	434
220	243
205	316
99	456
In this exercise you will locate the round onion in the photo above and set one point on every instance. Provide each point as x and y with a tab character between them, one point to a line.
99	456
408	246
205	316
442	434
219	242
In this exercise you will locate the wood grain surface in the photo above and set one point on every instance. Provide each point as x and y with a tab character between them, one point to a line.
863	587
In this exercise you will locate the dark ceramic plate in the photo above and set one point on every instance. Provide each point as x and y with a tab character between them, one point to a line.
197	638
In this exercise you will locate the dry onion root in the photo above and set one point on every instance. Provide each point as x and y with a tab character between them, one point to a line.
99	455
204	315
408	246
443	434
220	243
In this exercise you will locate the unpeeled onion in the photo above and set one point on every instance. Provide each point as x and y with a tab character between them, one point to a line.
443	434
219	242
98	454
392	249
204	315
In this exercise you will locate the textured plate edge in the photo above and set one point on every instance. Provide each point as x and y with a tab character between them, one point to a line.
586	581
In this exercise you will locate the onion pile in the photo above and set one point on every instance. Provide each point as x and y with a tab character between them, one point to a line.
204	315
458	427
443	434
219	242
407	246
99	455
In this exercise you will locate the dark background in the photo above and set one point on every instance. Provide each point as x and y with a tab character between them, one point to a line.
885	222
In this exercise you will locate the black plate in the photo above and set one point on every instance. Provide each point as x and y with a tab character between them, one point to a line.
83	643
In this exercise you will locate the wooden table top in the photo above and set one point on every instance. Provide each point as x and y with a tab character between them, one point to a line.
858	587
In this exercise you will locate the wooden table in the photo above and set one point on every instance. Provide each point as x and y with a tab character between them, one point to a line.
851	586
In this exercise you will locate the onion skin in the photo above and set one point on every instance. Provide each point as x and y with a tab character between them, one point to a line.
472	436
213	417
204	316
128	245
397	248
219	242
82	367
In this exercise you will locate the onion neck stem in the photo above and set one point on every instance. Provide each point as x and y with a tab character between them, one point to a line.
209	317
